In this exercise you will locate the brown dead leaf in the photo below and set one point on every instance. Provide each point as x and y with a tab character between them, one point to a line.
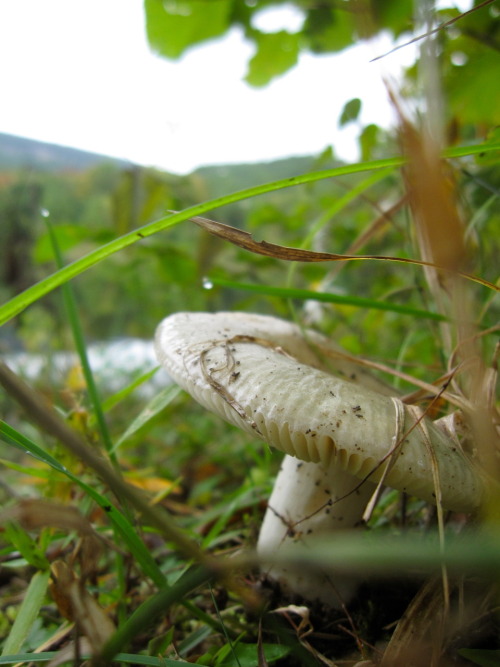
244	240
152	484
35	514
62	579
88	552
76	604
67	654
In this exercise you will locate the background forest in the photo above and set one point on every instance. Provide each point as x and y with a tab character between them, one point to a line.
90	251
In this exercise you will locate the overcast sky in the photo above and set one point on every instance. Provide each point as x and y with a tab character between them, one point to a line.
81	74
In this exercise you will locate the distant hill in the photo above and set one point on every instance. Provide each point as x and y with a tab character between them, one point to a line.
19	152
222	179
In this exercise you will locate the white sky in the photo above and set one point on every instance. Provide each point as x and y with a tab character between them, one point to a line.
81	74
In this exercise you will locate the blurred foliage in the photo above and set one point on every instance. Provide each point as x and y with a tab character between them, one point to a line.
164	273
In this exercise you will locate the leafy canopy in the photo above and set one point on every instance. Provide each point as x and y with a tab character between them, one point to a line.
469	43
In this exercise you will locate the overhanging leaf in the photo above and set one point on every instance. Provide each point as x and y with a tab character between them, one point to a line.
350	111
276	53
175	25
330	30
476	80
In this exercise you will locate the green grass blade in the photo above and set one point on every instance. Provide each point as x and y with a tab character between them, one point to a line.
127	658
247	654
81	347
193	640
26	545
156	405
481	657
113	400
327	297
337	206
229	645
119	521
340	203
12	437
375	553
14	658
150	609
17	304
28	612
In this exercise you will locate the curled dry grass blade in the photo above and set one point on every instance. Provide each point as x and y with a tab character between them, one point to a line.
244	240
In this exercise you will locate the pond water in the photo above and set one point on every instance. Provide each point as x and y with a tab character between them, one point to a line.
115	365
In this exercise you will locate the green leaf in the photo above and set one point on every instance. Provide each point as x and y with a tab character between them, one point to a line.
330	30
175	25
122	394
28	612
394	16
276	53
368	140
247	656
27	547
481	657
378	553
350	111
473	90
491	158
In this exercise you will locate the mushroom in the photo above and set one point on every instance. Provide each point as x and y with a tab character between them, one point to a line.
341	430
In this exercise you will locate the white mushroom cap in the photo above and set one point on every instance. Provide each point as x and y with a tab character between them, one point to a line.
257	373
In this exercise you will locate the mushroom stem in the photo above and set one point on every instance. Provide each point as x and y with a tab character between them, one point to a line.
309	500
